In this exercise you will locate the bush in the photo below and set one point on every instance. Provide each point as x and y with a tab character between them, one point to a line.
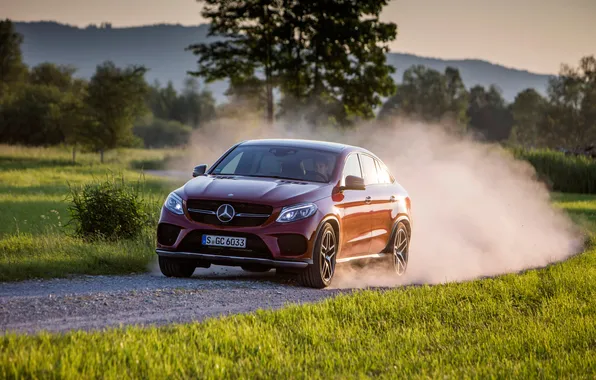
568	174
110	209
158	133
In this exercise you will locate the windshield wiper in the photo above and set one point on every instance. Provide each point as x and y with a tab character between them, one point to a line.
277	177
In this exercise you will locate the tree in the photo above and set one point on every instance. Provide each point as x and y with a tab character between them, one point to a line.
158	133
327	56
12	68
528	112
429	95
40	115
245	43
191	107
488	114
332	58
198	106
50	74
570	118
116	97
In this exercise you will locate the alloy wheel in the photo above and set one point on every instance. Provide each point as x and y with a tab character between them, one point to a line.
327	257
400	251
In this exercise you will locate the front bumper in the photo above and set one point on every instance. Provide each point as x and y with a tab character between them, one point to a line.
266	238
234	260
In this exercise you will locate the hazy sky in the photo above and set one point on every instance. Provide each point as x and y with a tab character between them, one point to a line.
536	35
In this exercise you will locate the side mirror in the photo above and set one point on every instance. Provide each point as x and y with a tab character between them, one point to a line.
353	183
199	170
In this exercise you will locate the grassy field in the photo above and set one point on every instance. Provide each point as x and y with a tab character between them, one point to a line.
539	324
35	241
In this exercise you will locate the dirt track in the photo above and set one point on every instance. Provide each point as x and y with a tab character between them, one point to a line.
91	302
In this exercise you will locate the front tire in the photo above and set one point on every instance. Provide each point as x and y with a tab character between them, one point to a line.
171	267
320	273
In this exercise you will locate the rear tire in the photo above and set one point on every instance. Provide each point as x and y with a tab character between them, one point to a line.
400	250
320	273
171	267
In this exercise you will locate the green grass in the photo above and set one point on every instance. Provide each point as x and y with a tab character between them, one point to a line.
35	238
537	324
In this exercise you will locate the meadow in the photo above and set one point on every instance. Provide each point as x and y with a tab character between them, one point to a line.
36	240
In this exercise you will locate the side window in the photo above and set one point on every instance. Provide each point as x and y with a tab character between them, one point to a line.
384	176
370	170
352	167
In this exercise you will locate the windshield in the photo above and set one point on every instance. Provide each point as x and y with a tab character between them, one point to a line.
278	162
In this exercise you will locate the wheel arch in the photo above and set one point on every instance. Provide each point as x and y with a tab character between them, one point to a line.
406	221
334	222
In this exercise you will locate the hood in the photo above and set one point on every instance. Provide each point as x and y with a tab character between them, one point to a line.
271	191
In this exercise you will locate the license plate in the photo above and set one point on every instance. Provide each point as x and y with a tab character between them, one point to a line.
224	241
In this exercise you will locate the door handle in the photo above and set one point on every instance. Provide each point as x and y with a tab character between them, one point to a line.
367	199
392	198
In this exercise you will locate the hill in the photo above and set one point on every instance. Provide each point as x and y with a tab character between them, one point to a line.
161	49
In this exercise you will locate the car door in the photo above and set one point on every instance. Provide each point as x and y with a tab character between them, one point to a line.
388	208
380	203
355	225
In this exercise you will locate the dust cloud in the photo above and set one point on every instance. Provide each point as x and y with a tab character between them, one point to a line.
476	210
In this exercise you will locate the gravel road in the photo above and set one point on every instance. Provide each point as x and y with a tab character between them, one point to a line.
94	302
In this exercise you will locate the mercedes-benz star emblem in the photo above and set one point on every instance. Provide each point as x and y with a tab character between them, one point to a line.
225	213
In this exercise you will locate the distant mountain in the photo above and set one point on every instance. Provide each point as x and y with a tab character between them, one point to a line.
161	49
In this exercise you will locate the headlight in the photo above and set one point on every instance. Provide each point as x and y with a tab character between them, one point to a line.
296	212
174	204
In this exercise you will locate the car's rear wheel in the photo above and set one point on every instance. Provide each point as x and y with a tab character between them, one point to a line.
171	267
320	273
400	249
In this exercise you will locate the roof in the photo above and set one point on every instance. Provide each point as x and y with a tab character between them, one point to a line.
301	143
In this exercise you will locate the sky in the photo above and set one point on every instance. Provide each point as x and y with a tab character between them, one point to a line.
533	35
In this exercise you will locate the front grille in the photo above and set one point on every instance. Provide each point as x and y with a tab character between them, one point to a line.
203	211
255	247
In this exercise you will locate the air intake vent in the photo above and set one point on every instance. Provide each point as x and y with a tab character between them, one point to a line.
167	233
292	182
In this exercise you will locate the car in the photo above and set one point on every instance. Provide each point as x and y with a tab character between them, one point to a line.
296	206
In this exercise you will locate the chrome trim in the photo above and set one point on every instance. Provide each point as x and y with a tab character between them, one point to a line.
249	215
236	259
240	215
199	211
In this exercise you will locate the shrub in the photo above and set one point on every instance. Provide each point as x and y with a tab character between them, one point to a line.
158	133
111	209
569	174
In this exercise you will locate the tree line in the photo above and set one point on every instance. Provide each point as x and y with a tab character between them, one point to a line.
47	105
325	60
564	118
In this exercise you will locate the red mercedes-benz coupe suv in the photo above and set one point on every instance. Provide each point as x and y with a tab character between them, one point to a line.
295	205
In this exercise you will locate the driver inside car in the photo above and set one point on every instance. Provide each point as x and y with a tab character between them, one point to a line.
321	169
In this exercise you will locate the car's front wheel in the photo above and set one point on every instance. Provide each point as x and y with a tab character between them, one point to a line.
320	273
171	267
